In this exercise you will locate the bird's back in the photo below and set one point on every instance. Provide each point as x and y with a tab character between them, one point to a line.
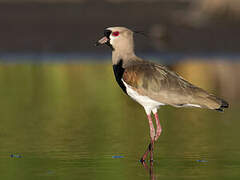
167	87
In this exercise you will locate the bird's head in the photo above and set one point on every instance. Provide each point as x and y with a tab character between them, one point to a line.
118	38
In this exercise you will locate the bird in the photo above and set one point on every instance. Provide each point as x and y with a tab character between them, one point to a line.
150	84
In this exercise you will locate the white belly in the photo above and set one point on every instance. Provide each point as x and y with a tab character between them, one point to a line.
149	104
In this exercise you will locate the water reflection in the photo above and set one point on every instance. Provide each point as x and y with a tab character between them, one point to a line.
149	170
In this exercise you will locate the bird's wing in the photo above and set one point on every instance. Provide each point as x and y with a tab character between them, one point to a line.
165	86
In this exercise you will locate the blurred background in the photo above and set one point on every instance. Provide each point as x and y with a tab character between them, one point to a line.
63	115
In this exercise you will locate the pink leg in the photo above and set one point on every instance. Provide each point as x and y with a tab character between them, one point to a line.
152	129
159	128
144	157
151	145
151	173
151	151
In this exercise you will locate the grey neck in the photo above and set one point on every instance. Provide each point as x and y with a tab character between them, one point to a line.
126	57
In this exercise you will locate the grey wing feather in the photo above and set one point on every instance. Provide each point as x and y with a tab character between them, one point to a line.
165	86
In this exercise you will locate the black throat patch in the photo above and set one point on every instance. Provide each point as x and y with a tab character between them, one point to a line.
118	72
108	43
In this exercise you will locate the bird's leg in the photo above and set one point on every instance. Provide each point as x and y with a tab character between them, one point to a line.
152	135
146	153
151	151
150	170
159	128
151	145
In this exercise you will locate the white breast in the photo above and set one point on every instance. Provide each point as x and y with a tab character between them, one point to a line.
149	104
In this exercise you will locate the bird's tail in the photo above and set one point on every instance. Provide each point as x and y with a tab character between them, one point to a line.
224	104
211	101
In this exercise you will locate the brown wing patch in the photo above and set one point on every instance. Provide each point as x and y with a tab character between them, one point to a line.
132	76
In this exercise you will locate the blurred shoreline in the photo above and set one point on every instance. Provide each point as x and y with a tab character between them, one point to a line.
166	58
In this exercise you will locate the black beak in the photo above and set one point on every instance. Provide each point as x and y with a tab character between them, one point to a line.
105	39
102	41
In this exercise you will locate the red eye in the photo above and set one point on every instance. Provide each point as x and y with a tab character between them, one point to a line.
116	33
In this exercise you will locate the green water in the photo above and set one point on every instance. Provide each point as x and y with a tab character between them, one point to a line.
68	121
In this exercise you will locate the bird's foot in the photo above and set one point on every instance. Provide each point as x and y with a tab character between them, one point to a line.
144	157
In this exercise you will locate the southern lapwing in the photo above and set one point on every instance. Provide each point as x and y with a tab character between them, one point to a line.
150	84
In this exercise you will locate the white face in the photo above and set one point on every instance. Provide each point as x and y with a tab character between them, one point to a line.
114	35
